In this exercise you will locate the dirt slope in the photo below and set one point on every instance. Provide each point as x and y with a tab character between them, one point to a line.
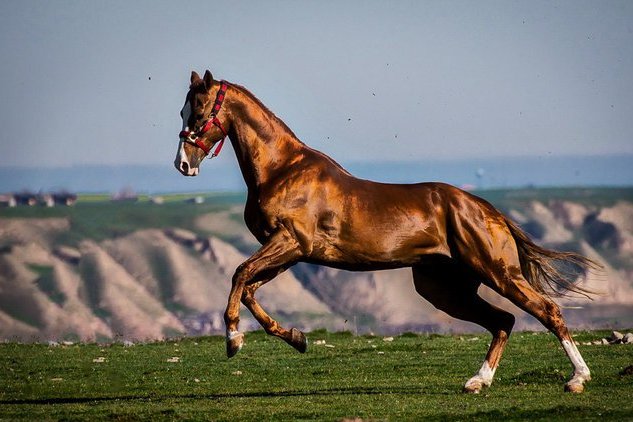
154	283
146	285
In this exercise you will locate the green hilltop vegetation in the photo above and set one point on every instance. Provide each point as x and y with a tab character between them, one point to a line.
592	196
96	217
341	377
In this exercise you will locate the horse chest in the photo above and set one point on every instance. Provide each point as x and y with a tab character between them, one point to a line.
257	220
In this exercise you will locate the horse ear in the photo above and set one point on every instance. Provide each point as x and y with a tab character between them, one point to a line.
208	80
194	76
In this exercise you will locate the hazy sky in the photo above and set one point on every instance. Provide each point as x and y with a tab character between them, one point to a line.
85	82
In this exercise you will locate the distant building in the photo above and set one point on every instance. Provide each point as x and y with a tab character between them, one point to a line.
64	198
195	200
25	198
8	200
125	195
31	199
47	200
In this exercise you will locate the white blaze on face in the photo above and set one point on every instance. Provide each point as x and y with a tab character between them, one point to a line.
182	156
185	113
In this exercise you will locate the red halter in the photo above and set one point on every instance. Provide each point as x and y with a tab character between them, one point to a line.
194	137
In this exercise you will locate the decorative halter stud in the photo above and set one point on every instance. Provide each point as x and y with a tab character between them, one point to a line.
194	137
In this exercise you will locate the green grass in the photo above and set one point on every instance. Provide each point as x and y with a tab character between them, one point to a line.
96	217
591	196
411	378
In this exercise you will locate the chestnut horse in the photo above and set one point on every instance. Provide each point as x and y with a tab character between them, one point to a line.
304	207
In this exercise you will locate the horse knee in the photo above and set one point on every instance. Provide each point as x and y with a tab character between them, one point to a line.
241	275
497	321
248	295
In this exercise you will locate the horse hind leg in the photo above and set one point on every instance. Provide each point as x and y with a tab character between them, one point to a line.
491	251
453	290
547	312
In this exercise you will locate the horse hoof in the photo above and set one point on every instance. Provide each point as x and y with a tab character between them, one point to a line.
234	343
473	387
575	388
471	390
298	340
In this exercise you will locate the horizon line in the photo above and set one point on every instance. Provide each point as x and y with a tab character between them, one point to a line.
352	161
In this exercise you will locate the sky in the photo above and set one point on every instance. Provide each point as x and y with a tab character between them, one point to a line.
102	82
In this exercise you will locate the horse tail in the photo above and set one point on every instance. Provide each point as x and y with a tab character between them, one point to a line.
550	272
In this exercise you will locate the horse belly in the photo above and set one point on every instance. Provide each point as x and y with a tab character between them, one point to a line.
378	245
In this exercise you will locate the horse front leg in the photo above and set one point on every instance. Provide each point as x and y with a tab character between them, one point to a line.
280	251
293	337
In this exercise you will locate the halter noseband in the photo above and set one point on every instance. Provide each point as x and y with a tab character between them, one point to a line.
194	137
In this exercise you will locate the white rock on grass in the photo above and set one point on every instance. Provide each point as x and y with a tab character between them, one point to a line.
616	337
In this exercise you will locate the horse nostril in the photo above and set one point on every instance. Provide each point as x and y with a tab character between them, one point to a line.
184	167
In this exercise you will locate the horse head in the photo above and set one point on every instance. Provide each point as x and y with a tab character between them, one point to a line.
202	129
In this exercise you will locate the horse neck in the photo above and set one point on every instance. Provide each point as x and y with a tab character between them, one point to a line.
264	145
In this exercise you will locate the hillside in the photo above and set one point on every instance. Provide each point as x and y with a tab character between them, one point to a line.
102	270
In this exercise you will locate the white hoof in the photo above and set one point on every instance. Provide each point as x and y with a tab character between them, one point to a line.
577	383
475	385
482	379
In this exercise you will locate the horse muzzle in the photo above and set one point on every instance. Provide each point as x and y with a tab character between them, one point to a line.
185	169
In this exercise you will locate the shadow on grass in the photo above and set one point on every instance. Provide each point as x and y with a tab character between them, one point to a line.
413	390
551	413
540	376
560	412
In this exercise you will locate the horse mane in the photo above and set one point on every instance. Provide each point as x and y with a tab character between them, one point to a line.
257	101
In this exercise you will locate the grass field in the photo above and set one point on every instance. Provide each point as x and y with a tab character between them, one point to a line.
409	378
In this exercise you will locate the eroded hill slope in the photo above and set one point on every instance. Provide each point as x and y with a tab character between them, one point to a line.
156	282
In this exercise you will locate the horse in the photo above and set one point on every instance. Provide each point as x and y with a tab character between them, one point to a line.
302	206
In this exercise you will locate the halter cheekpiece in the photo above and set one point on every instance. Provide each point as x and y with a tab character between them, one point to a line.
194	137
